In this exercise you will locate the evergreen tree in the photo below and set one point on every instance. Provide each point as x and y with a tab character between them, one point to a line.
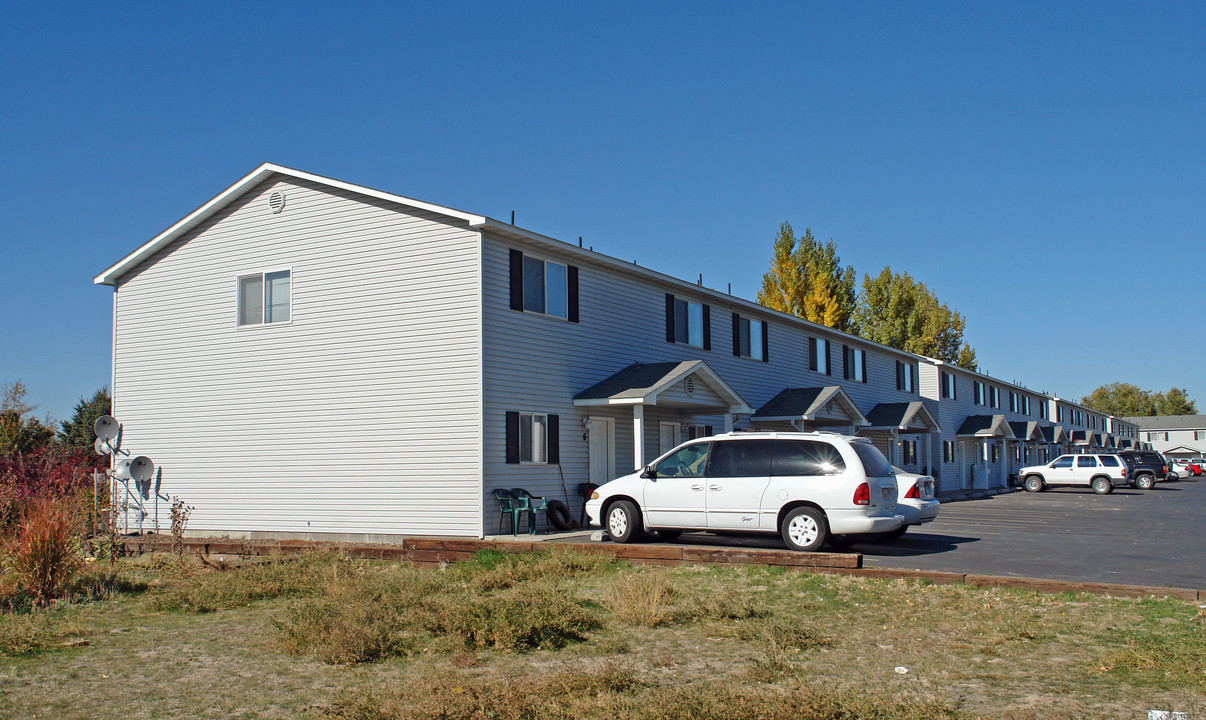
80	431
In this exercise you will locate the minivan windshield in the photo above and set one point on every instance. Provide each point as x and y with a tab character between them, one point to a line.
874	462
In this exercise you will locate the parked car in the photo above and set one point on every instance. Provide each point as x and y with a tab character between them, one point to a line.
915	500
1146	467
810	488
1183	468
1100	472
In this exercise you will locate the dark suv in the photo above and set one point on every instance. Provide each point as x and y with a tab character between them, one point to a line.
1145	468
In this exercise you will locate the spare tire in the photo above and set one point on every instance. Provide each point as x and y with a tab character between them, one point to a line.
559	515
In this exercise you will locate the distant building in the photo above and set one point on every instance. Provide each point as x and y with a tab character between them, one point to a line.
1176	436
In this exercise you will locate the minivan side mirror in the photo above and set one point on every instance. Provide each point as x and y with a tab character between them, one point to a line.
649	472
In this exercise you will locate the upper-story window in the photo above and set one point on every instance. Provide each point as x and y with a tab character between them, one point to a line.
544	287
855	364
688	322
1059	414
818	356
994	396
264	298
1199	434
978	392
750	338
1042	410
906	374
948	386
1025	404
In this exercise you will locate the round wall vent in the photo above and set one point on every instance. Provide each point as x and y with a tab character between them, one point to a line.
276	201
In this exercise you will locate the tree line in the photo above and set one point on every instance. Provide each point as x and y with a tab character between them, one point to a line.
806	279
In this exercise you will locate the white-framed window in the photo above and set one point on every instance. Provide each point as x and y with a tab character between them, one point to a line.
750	337
908	452
818	355
264	298
994	396
533	438
545	287
1042	410
948	451
694	432
1013	402
905	373
1199	434
978	392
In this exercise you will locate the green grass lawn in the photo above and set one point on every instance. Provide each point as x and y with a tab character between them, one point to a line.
567	635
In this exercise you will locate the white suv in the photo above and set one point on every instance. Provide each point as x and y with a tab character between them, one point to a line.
808	487
1100	472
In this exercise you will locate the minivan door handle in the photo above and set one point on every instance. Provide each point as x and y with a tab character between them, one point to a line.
697	486
714	487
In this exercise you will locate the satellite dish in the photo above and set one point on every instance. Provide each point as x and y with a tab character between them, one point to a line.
107	427
121	470
141	468
101	447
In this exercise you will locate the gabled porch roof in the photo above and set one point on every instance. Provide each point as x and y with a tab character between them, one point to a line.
644	384
1183	450
985	426
1026	430
817	404
1054	434
907	416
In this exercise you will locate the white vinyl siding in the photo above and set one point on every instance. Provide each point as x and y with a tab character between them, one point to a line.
363	417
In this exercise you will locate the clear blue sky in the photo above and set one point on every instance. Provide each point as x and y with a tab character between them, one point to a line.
1041	166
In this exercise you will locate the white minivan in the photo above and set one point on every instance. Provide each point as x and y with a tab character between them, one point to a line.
809	488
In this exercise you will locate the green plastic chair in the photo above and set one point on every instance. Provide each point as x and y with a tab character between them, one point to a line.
531	503
508	503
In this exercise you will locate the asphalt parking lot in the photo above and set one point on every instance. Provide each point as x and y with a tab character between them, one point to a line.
1131	537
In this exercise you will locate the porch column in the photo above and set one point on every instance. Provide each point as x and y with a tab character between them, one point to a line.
638	434
728	422
984	461
929	451
895	442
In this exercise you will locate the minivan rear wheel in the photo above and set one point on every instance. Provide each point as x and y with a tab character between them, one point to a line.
804	528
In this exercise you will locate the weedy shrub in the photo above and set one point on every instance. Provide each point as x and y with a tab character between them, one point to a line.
24	633
495	569
537	614
362	617
723	604
641	598
44	554
594	696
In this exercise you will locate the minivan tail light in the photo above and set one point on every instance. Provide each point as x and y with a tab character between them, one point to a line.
912	493
862	494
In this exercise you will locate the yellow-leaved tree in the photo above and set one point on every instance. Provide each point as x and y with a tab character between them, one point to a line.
806	279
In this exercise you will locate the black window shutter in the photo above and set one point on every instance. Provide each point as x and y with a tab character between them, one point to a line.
828	359
707	431
899	375
554	440
512	438
913	375
571	287
812	353
736	334
707	323
669	317
765	342
864	366
845	362
516	281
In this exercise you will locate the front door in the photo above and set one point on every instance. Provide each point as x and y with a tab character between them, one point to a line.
668	436
601	450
